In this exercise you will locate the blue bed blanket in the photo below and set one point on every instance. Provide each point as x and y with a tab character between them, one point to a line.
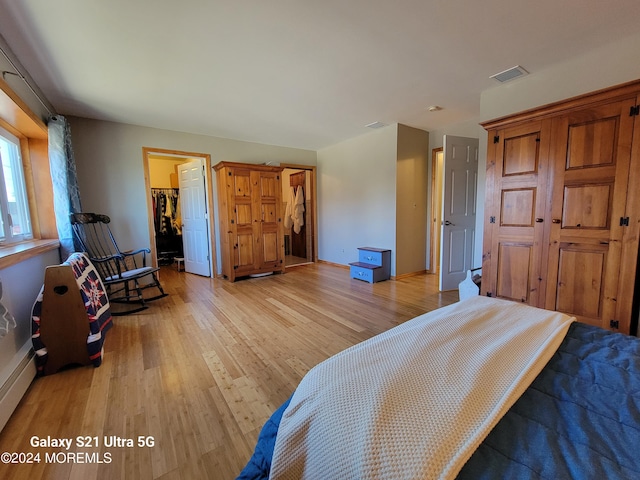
579	419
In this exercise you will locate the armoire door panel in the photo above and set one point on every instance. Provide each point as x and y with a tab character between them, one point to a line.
518	207
243	214
587	206
270	247
592	142
580	282
514	272
242	184
269	213
521	154
244	254
269	183
592	154
517	185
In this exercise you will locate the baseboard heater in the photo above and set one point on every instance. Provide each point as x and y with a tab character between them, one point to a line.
17	383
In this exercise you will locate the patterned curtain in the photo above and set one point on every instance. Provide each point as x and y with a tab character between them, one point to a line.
66	195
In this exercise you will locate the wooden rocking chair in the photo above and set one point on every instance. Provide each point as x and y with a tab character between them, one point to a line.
122	272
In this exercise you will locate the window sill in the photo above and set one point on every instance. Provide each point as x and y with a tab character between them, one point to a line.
19	252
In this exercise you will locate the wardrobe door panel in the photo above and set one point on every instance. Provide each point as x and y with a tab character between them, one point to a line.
241	183
580	281
591	151
244	258
592	143
520	155
269	185
517	208
587	206
243	246
243	213
514	227
514	271
269	232
270	247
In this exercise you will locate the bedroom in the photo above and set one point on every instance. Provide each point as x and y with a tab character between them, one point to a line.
109	154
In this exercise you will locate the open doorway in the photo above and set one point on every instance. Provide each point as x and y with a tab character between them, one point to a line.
437	181
171	233
298	194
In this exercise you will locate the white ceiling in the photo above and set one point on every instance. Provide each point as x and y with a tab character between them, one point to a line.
298	73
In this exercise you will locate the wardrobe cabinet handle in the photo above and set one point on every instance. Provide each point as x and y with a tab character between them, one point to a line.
539	220
556	220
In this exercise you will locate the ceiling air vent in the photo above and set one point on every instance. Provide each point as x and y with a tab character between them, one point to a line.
510	74
376	125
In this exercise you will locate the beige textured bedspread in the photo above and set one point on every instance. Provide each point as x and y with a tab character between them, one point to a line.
417	400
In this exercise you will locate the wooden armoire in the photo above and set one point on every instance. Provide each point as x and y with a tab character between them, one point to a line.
251	219
563	207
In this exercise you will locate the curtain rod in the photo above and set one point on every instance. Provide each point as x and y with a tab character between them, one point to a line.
19	74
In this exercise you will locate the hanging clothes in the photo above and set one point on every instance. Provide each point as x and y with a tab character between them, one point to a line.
166	211
288	214
298	210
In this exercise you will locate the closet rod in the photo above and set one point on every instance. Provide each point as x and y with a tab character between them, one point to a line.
165	190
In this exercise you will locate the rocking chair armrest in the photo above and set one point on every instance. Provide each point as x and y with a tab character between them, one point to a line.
134	252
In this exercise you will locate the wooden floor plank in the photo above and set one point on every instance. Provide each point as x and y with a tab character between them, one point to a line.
201	370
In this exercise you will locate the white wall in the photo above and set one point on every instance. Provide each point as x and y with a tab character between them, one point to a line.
357	196
412	188
604	67
110	168
161	168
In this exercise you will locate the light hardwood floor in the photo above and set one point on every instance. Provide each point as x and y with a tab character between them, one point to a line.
202	369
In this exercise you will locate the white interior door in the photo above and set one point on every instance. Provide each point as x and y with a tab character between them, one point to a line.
195	219
458	209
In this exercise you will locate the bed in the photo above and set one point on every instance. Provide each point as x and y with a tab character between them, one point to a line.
495	390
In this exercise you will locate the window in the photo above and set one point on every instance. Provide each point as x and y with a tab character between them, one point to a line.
15	222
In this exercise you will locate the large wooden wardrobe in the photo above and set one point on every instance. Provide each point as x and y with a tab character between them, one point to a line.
251	219
563	207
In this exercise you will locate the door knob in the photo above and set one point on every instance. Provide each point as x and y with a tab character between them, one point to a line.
447	223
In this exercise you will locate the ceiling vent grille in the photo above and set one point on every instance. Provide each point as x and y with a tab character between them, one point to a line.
376	125
510	74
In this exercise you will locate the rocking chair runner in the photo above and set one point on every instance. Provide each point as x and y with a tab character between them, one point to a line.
121	272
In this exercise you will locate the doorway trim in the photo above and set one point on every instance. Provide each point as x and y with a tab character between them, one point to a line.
314	216
149	151
436	208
